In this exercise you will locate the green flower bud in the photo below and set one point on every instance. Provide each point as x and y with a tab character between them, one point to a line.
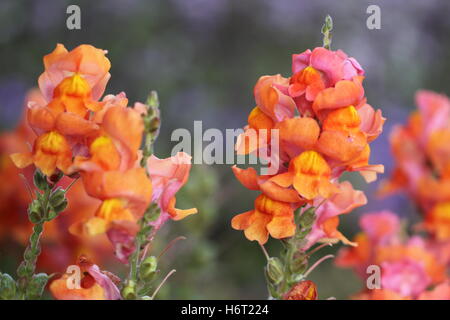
24	269
148	268
274	270
35	211
40	180
57	197
153	100
51	214
36	286
152	213
129	291
308	217
61	207
7	287
299	263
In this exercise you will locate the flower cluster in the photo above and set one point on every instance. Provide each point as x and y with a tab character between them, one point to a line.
79	134
59	247
410	267
421	151
325	128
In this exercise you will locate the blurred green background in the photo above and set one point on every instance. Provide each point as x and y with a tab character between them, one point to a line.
204	57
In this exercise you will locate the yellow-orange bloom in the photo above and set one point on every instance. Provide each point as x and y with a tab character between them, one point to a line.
269	217
74	95
341	138
310	175
87	62
51	151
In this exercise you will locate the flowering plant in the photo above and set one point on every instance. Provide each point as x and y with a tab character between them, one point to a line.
77	135
325	128
411	267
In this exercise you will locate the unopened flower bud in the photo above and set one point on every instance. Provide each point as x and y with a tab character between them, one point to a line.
7	287
129	291
274	270
299	263
36	286
304	290
148	268
307	218
57	197
40	180
35	211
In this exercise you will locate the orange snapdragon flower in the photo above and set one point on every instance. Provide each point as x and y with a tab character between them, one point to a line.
94	284
71	85
51	151
110	172
269	217
85	68
309	174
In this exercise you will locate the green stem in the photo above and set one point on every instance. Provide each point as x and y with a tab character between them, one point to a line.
151	126
27	267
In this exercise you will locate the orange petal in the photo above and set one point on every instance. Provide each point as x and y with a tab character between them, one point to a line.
22	160
300	132
72	124
340	145
258	228
345	93
61	291
242	221
247	177
282	227
179	214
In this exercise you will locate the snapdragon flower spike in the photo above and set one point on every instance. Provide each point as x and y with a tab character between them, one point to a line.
422	156
325	128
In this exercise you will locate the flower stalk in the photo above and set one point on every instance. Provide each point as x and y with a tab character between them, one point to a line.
44	208
137	286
